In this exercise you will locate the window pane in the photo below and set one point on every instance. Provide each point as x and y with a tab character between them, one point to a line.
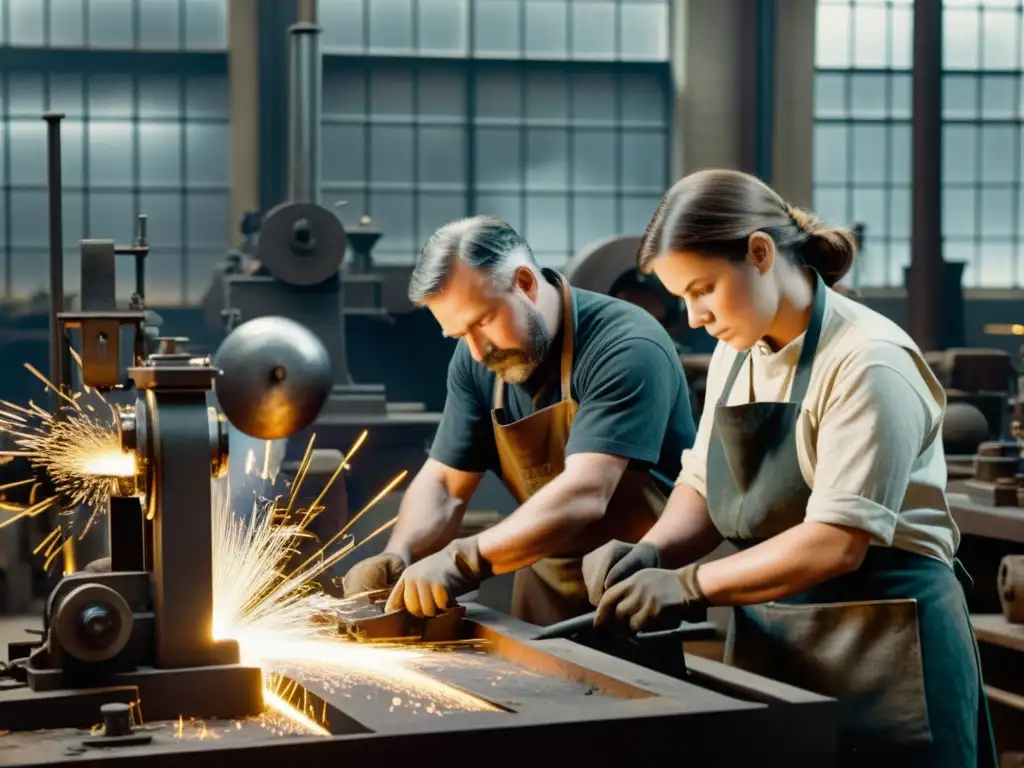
959	215
832	38
442	27
496	29
869	47
830	153
593	29
830	97
959	161
959	96
999	42
546	29
960	30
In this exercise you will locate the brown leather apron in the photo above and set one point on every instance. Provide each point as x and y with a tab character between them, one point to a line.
531	452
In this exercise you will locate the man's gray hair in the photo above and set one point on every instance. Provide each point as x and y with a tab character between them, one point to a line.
482	242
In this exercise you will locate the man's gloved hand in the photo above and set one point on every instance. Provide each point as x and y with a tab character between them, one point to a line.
655	599
615	561
374	573
428	586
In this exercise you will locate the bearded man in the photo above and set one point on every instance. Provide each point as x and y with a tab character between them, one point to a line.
576	400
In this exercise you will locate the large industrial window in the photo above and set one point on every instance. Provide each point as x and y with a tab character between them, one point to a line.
552	114
862	144
144	86
983	64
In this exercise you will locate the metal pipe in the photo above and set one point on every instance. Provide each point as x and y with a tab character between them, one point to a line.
305	93
54	185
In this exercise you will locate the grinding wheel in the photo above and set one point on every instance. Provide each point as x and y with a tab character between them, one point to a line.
275	376
597	267
93	623
610	267
301	243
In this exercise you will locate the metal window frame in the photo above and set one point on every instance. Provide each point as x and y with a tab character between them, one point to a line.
876	247
470	67
135	63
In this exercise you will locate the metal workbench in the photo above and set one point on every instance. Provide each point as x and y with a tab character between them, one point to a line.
533	700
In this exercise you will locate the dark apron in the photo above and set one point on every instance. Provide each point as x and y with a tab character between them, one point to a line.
891	641
531	452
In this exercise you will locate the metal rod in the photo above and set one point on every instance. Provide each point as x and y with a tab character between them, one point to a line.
142	250
305	93
54	189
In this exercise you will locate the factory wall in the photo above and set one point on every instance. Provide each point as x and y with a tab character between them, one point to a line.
144	88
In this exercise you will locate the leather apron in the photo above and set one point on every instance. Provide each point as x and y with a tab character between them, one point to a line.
892	641
531	452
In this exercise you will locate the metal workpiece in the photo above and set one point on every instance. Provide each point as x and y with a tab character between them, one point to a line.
497	693
275	376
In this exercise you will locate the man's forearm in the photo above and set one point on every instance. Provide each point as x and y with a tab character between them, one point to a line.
543	525
428	519
684	533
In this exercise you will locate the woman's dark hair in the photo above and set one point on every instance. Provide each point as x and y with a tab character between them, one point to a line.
714	212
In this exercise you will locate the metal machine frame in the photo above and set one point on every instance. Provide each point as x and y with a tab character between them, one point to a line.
146	625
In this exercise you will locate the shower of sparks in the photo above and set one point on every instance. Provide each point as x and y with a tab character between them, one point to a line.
79	449
271	608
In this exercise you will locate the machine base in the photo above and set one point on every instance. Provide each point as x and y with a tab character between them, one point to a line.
224	692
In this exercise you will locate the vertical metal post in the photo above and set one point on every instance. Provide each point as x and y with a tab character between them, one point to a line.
54	189
764	74
273	18
305	92
927	272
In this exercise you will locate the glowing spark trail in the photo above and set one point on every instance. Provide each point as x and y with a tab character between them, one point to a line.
270	607
79	451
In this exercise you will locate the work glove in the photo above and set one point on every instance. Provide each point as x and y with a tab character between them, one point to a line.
372	574
654	599
430	585
613	562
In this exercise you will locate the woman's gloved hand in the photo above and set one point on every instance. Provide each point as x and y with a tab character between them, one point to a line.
428	586
372	574
655	599
609	564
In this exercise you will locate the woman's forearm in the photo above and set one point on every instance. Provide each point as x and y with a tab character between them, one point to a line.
784	565
684	533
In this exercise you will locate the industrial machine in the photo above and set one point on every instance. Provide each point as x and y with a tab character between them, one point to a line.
143	628
293	265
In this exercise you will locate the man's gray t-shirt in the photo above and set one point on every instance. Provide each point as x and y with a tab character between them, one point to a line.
627	379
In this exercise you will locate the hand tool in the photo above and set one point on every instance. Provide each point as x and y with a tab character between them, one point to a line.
585	624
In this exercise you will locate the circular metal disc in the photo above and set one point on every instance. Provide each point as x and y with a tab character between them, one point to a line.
275	377
598	266
301	243
71	636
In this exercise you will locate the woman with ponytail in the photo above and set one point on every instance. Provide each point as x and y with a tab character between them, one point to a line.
819	456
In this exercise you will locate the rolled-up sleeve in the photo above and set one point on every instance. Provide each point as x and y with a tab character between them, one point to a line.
873	428
694	461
